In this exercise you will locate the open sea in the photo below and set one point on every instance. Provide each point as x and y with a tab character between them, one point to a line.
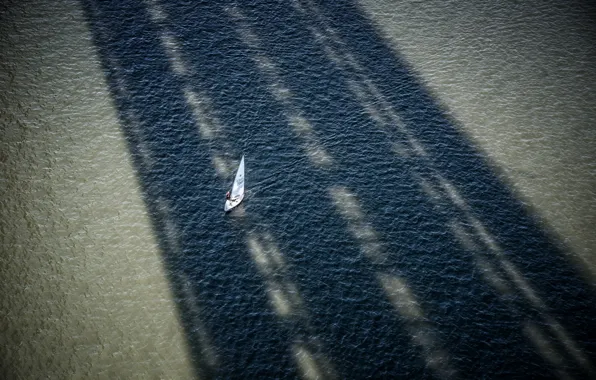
377	239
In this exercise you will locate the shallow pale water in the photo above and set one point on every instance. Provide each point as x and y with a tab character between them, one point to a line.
376	239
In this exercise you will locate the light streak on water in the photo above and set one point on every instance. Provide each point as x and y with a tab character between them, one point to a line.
311	144
285	299
399	294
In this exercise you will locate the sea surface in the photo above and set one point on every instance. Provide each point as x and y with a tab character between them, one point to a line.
378	237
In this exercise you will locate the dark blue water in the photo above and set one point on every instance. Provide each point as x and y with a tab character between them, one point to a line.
347	319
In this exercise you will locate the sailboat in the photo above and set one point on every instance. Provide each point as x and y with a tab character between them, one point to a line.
237	193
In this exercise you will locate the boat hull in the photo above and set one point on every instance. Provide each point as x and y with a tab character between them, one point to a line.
232	203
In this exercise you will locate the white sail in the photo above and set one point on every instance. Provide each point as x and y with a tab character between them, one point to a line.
238	187
237	193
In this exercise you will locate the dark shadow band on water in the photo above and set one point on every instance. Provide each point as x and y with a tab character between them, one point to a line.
180	189
232	330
